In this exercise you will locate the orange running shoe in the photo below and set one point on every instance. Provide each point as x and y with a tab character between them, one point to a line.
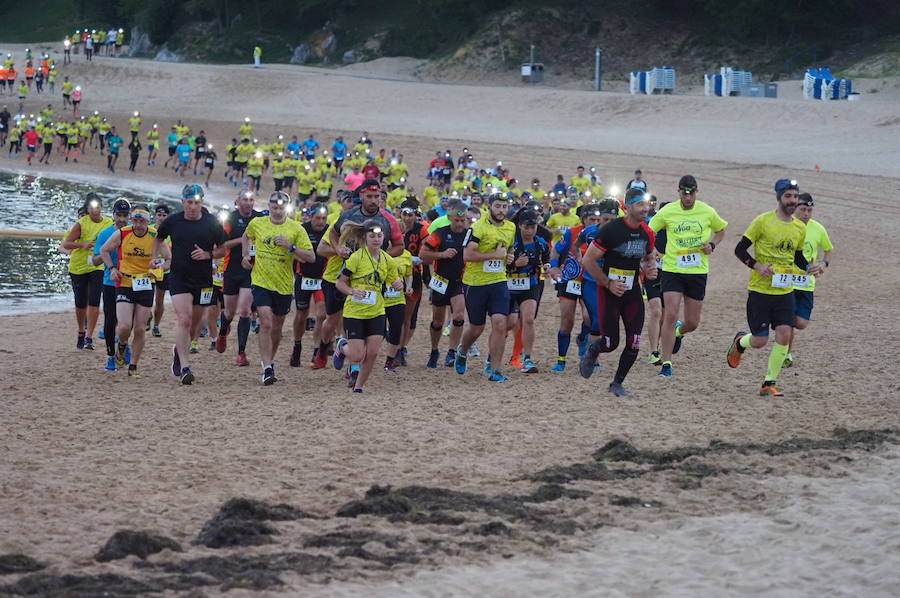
242	360
734	351
769	390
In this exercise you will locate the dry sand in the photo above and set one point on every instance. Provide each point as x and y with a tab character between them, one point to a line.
88	452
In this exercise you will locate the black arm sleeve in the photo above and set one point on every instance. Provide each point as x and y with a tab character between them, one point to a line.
800	260
742	254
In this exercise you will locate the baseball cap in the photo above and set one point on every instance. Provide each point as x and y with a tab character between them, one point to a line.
121	206
162	208
687	182
528	217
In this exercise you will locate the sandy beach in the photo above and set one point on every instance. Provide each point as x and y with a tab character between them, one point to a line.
89	452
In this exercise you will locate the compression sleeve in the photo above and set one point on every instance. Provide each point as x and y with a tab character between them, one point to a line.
742	254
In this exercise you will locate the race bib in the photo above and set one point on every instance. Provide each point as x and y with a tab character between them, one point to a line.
141	284
800	279
573	287
494	266
218	277
206	296
446	171
626	276
391	293
310	284
369	298
252	251
519	283
438	284
782	278
659	262
688	258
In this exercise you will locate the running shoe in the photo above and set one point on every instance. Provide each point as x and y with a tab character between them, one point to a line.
295	355
111	364
79	344
204	331
132	372
195	346
310	324
176	362
617	389
149	323
450	359
242	360
359	390
187	377
434	356
496	376
221	342
516	361
120	357
390	366
101	335
460	363
487	367
528	367
559	367
312	360
156	332
338	359
769	390
735	351
582	342
88	343
268	377
401	356
586	365
351	380
666	370
212	345
788	361
677	346
321	360
254	326
473	350
446	330
654	359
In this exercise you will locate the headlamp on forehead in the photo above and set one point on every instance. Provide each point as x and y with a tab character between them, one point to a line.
376	230
408	211
246	119
280	198
94	204
223	216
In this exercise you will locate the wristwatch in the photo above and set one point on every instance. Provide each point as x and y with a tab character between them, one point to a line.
293	248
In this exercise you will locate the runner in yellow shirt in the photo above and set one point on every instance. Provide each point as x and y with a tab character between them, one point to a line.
270	246
87	279
580	181
134	276
778	238
560	222
134	125
363	279
486	250
693	230
816	239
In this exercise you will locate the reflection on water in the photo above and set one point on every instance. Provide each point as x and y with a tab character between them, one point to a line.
33	270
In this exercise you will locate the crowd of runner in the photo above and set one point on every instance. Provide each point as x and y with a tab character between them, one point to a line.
357	266
355	249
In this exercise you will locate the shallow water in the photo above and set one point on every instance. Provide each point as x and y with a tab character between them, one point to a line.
33	273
